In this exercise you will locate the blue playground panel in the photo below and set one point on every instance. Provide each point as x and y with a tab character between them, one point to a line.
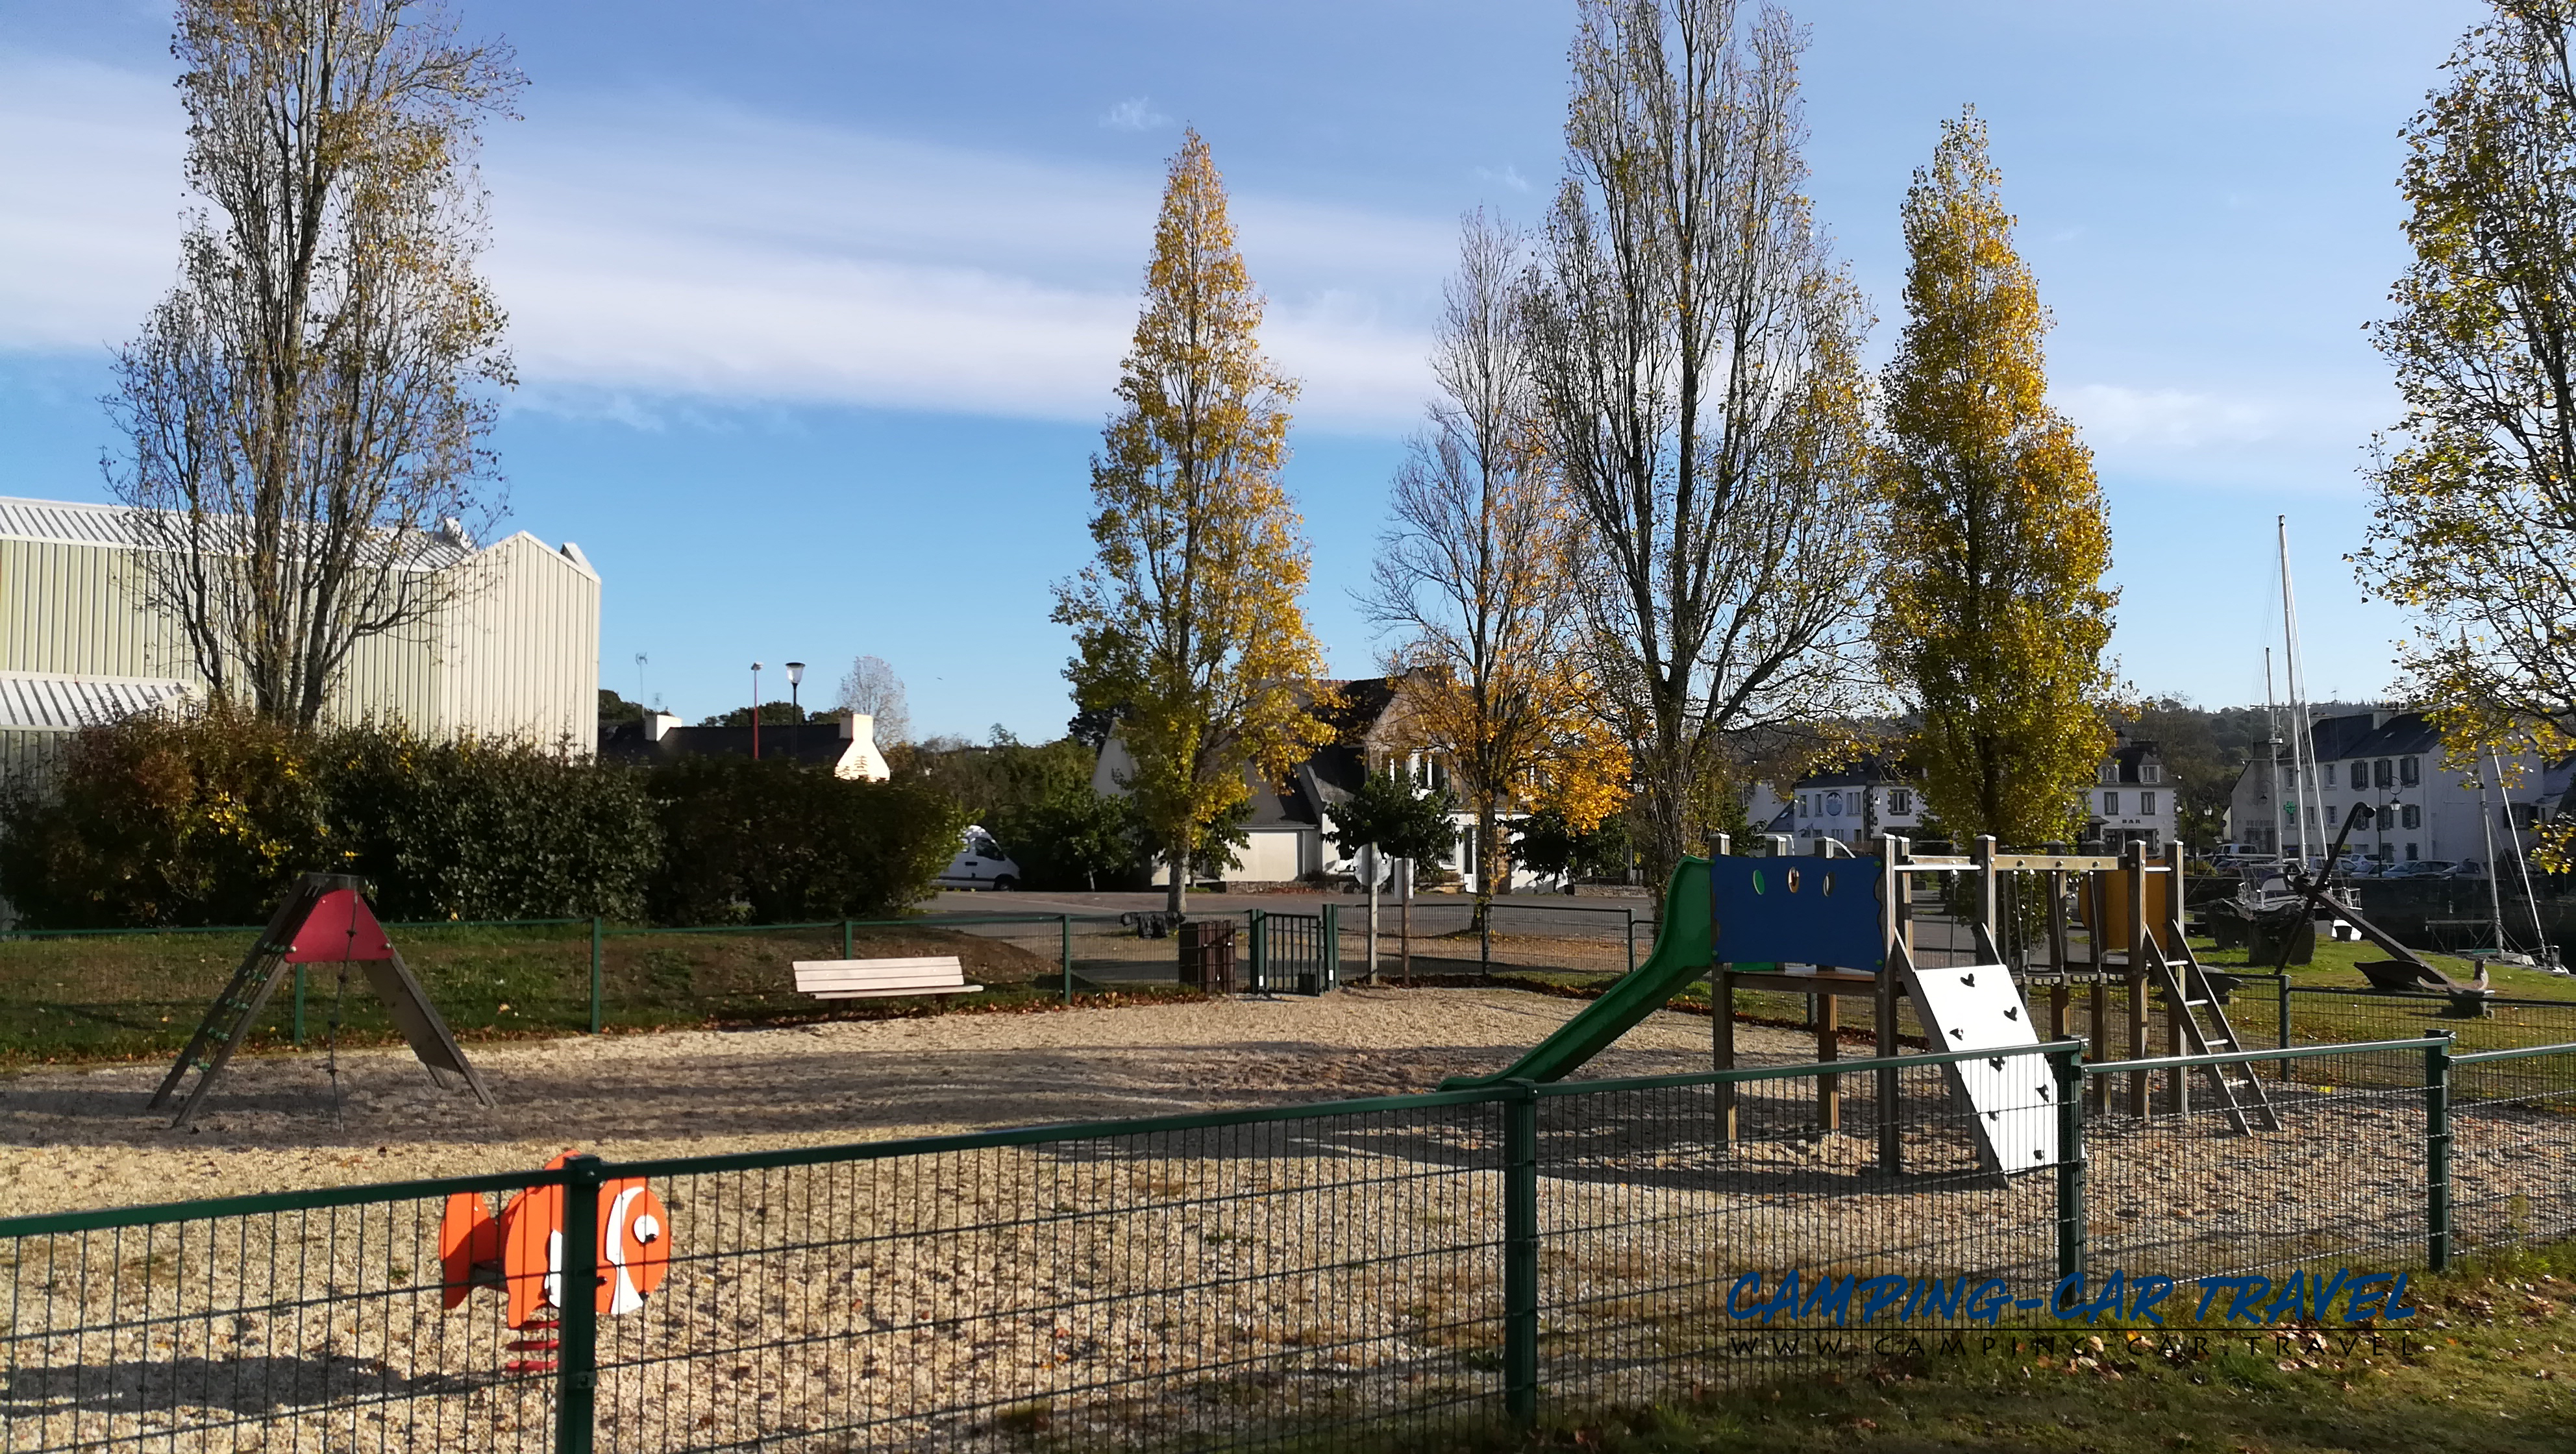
1822	911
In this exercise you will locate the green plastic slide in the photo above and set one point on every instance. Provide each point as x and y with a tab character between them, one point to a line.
1681	956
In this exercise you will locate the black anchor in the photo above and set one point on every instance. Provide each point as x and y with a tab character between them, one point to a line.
1969	980
2012	1012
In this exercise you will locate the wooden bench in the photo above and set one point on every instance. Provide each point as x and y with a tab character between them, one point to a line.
860	979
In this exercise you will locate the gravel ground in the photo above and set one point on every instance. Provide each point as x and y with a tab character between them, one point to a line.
82	1138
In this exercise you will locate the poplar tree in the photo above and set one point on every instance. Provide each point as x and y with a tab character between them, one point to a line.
1188	621
307	412
1993	616
1696	373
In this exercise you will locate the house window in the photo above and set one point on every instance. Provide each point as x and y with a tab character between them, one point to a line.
2110	805
2410	770
2384	773
2149	772
2110	772
2361	775
2410	853
1802	805
1900	800
2411	816
2146	805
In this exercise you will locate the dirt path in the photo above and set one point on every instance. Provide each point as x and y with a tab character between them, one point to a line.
82	1138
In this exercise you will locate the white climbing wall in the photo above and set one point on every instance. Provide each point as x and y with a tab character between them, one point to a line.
1977	1007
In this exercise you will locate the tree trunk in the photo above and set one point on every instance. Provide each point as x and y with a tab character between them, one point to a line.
1178	899
1368	865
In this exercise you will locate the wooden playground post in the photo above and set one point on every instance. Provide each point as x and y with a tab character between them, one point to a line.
1894	908
2177	1084
2134	855
2098	993
2057	946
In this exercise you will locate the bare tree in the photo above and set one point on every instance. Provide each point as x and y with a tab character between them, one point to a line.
1476	576
873	688
1695	351
306	411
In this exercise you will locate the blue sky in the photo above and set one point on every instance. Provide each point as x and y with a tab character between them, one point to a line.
817	305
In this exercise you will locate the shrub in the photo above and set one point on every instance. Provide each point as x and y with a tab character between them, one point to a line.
209	818
484	829
775	842
201	819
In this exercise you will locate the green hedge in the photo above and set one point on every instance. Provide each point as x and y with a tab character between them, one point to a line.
773	842
208	818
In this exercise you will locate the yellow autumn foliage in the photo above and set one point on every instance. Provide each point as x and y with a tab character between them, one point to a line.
1993	616
1188	622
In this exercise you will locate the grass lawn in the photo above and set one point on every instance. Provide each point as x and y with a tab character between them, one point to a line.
125	997
2489	1369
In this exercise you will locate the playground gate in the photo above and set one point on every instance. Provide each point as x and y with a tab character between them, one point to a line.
1407	1268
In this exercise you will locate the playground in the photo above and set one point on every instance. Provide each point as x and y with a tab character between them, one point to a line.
1376	1206
81	1137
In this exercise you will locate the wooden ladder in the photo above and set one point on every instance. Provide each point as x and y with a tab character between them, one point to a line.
2187	995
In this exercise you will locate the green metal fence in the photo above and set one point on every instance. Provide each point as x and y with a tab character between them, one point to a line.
1402	1268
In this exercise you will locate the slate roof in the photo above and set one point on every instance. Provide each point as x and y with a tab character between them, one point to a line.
2357	734
816	744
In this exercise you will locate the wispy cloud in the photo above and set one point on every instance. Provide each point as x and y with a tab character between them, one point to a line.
1506	175
696	254
2164	419
1136	113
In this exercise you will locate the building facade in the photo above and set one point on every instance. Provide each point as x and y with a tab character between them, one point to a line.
2127	800
514	654
2391	763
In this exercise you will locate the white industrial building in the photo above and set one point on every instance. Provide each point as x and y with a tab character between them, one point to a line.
514	654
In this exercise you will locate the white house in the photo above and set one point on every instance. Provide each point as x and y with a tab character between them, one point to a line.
2128	799
2392	763
1851	805
1288	832
516	653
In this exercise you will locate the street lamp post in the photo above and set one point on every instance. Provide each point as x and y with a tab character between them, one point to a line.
795	679
755	711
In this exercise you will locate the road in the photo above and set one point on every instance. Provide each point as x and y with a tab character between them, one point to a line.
1555	916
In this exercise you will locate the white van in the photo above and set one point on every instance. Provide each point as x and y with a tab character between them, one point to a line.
980	864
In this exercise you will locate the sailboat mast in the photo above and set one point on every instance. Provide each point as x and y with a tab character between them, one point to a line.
2302	757
2272	751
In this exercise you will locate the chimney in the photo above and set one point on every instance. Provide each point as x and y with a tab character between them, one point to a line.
656	724
850	731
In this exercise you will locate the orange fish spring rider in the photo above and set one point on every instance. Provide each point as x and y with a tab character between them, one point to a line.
520	1253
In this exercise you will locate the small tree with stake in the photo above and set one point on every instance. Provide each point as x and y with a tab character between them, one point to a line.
1398	820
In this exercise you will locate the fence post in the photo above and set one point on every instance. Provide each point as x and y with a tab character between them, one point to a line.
577	1309
2281	987
1260	959
1628	933
1064	922
594	975
849	942
2437	1156
2068	1067
1520	1251
1329	953
299	1007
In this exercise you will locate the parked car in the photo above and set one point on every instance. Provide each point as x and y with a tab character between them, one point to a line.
1352	873
980	864
2357	865
2423	868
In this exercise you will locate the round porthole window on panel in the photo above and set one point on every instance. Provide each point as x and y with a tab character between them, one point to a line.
1792	879
1757	881
1827	886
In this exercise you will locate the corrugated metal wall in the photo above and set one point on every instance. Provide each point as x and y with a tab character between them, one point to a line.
516	655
